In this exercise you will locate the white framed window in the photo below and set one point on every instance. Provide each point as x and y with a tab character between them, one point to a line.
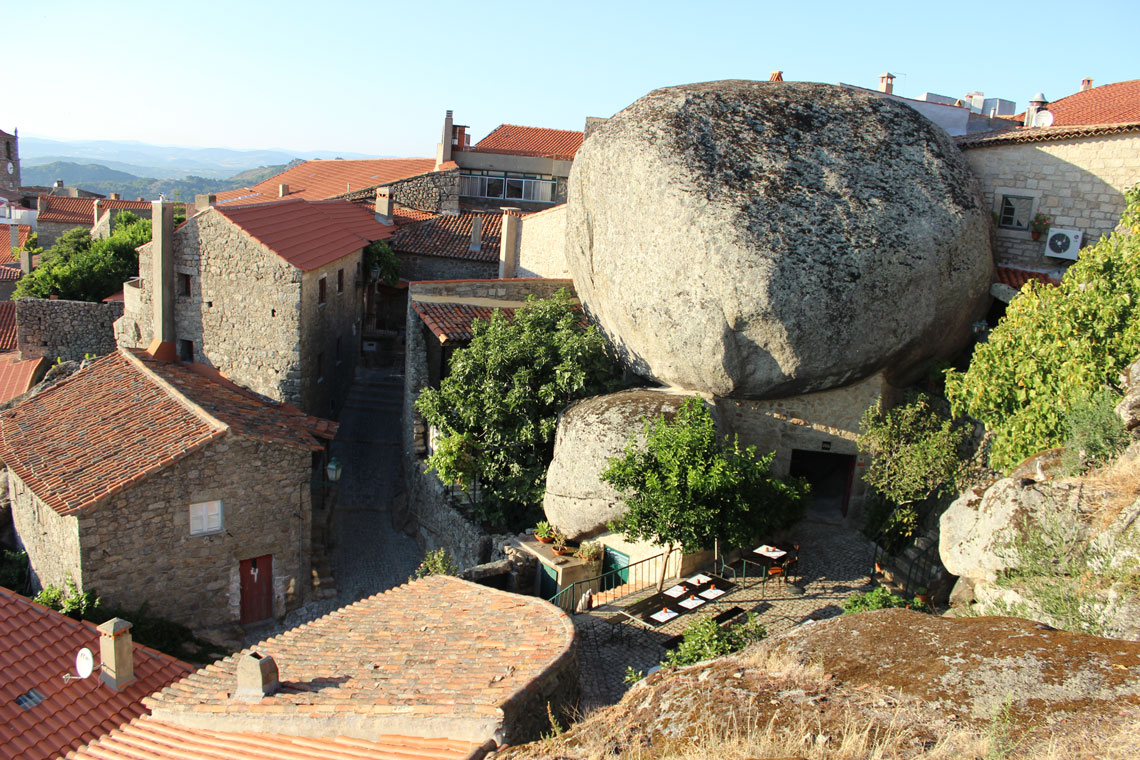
1016	212
205	517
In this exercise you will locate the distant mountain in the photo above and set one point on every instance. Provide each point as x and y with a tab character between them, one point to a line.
161	161
101	179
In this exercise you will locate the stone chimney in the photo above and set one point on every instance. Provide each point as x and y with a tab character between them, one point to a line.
117	653
1036	103
114	196
384	205
443	154
95	205
25	255
204	201
282	190
256	677
509	242
41	204
476	233
1086	84
162	281
887	83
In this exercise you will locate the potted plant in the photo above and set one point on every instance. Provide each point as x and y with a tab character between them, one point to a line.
589	551
922	596
1039	225
544	532
559	543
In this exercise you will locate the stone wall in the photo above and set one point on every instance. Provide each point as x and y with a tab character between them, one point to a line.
526	717
542	244
513	290
1079	183
414	267
50	539
330	333
137	547
49	232
437	192
66	330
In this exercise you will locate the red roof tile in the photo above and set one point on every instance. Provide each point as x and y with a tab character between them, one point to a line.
451	322
308	235
23	231
81	211
513	140
1116	103
436	644
16	376
317	180
37	646
1042	134
10	273
120	420
156	740
450	236
1016	278
7	326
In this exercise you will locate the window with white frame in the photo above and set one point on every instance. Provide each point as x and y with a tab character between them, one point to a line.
205	517
523	187
1015	212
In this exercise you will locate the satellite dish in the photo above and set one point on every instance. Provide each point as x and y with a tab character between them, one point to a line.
1043	119
84	662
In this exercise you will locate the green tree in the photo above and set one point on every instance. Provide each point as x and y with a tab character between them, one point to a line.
78	268
380	256
497	408
914	449
685	487
1054	346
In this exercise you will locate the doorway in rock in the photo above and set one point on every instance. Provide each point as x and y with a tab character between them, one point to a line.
830	475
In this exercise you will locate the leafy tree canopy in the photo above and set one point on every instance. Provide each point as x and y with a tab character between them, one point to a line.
78	268
497	408
1056	346
685	487
380	255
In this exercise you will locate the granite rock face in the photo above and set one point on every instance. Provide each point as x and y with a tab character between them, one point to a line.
591	432
761	240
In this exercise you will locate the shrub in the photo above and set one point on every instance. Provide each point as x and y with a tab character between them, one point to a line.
436	562
14	570
68	600
705	639
878	598
1095	434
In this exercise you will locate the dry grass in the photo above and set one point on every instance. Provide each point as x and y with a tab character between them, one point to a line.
1111	489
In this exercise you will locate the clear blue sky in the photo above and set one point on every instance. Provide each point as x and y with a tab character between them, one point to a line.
375	77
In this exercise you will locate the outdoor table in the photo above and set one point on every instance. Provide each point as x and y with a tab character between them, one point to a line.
766	556
682	598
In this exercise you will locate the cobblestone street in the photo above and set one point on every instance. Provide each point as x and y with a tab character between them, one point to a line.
834	560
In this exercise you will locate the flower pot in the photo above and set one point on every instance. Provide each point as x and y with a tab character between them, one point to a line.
923	599
544	539
1036	235
562	551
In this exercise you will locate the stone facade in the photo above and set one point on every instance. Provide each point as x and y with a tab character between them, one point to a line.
254	316
437	192
136	547
1077	182
68	330
415	267
48	232
542	244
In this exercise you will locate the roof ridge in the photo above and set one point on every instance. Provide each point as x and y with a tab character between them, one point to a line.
173	392
548	129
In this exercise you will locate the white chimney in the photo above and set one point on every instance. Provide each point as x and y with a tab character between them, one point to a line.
477	233
1086	84
282	190
95	206
887	82
117	653
443	153
509	242
257	677
1036	103
383	208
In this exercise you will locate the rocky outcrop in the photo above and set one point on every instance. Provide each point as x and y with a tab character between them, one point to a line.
761	240
590	433
1129	407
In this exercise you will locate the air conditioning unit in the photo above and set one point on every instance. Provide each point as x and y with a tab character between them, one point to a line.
1063	243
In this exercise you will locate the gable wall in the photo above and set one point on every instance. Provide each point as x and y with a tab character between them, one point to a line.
50	539
337	322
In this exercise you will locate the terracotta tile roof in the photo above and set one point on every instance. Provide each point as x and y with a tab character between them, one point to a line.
1042	134
37	646
450	236
513	140
1016	278
16	376
23	231
1116	103
436	645
81	211
9	273
155	740
404	215
115	423
317	180
7	326
306	234
451	322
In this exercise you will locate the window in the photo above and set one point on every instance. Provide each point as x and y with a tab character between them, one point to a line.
1015	212
186	350
321	367
183	284
340	281
30	699
321	291
524	187
205	518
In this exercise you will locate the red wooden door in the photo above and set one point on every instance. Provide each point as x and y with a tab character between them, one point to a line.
256	589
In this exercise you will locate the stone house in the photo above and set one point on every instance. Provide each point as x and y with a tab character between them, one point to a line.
17	373
1075	172
56	215
160	483
43	715
528	167
436	669
268	294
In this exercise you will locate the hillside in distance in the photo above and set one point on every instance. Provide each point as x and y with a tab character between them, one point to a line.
104	180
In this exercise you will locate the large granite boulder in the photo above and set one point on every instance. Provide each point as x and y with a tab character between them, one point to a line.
590	433
1129	407
762	240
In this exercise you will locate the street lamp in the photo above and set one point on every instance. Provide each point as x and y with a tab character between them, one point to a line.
333	470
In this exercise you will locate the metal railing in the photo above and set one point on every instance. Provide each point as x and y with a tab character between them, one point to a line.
612	585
